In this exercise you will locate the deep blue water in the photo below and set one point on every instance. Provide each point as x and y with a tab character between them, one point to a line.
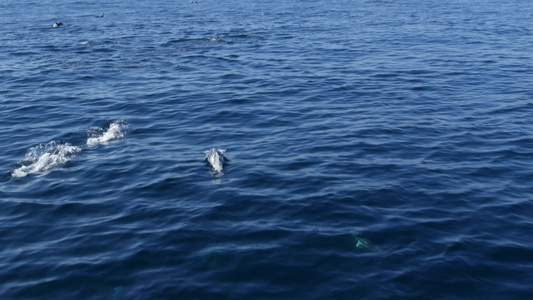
374	149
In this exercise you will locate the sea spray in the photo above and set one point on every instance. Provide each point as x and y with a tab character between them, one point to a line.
45	157
98	136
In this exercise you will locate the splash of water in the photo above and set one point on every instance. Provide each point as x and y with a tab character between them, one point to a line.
45	157
98	136
217	38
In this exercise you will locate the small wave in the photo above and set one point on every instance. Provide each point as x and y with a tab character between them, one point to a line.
376	1
224	37
98	136
109	42
44	157
217	38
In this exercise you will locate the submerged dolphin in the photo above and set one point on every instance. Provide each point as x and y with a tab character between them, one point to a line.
216	158
364	243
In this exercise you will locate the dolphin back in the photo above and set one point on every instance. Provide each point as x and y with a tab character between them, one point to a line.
215	157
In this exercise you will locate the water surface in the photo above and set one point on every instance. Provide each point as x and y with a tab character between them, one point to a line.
375	149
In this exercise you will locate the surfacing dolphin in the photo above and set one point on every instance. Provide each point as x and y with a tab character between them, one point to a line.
216	158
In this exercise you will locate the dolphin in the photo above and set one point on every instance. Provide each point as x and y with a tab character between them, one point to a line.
364	243
216	158
57	24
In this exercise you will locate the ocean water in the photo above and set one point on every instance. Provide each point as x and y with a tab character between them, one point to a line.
356	149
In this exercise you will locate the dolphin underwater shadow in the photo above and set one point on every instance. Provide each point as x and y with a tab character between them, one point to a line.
363	243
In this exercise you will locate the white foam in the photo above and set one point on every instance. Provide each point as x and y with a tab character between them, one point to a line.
115	131
217	38
44	157
215	157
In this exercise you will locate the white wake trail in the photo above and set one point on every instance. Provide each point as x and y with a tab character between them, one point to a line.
45	157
